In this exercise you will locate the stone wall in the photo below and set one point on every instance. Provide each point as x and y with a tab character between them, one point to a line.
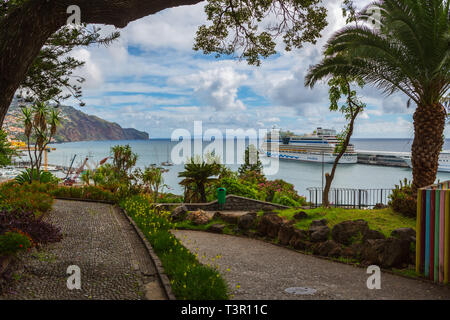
232	203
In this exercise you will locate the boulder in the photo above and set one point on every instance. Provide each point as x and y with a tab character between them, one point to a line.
269	225
298	235
217	228
285	233
379	206
179	213
386	253
318	223
229	218
356	249
326	248
336	252
347	232
247	221
407	234
348	252
300	244
198	217
372	235
300	215
319	234
250	233
353	251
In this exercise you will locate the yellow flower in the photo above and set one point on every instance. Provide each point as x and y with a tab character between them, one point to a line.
238	286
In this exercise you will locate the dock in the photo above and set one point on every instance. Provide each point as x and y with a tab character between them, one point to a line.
383	158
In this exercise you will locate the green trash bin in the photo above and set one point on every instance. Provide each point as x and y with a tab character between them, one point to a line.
221	197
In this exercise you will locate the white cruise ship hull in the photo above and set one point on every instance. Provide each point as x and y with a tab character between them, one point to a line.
444	162
308	157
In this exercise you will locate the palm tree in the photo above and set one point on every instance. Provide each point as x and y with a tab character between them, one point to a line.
406	49
199	174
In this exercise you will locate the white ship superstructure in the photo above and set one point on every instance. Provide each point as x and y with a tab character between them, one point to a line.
319	146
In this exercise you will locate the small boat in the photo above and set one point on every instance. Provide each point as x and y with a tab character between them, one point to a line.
444	161
167	163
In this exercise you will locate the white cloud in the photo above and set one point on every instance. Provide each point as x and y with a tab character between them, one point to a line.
169	29
215	87
91	71
169	86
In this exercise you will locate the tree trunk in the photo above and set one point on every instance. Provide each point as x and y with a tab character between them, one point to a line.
25	30
429	124
329	177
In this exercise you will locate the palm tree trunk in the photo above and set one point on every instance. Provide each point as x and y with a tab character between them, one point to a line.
201	188
429	123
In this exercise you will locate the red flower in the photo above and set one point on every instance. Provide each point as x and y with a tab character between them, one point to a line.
20	245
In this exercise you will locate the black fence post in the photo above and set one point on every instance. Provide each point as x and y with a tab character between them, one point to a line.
359	198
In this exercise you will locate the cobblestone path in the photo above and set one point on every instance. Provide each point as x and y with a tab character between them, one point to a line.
114	263
260	270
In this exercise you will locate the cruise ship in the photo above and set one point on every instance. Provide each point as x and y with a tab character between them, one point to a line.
319	146
444	161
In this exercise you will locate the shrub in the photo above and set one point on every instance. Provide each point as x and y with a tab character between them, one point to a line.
40	231
26	197
279	189
189	278
43	177
287	201
85	192
253	177
13	242
236	187
403	200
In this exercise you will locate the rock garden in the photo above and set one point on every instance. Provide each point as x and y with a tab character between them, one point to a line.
382	237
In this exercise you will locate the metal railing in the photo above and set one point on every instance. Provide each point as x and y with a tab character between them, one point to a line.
350	198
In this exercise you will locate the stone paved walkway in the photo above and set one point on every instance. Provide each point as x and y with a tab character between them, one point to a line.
97	238
264	271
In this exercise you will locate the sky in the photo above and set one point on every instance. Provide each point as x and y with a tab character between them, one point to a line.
152	80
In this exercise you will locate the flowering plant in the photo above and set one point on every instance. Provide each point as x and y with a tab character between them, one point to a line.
278	189
13	242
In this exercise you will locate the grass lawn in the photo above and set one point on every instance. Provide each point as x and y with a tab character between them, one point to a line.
384	220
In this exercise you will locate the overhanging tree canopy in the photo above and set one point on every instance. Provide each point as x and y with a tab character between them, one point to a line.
234	28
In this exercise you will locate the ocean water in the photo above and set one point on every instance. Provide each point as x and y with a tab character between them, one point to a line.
302	175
